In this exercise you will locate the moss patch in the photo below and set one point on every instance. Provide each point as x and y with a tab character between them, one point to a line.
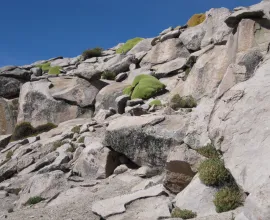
178	102
184	214
55	70
212	172
76	129
196	20
128	45
95	52
228	198
9	155
81	140
144	87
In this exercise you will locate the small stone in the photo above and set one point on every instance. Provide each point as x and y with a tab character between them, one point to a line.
134	102
121	102
91	129
132	66
120	77
145	171
120	169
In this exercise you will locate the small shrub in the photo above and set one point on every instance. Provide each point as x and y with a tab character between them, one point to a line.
45	128
10	210
209	151
95	52
228	198
34	200
81	140
184	214
45	67
109	75
56	145
155	102
178	102
25	129
76	129
196	20
55	70
9	155
212	172
22	130
128	90
128	45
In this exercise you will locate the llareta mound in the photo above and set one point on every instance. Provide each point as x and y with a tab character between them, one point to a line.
175	126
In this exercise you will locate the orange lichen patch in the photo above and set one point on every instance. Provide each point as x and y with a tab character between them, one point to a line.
196	20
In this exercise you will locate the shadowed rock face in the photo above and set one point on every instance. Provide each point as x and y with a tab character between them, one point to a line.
9	87
8	115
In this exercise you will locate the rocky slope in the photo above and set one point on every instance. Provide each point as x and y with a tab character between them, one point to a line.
195	149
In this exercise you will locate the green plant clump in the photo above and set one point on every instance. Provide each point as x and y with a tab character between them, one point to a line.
184	214
81	140
109	75
128	45
155	102
71	149
208	151
212	172
44	66
9	155
144	87
228	198
55	70
34	200
95	52
76	129
25	129
56	145
178	102
196	20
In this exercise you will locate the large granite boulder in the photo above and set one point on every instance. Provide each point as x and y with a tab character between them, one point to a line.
142	46
37	106
146	140
76	90
164	52
15	72
9	87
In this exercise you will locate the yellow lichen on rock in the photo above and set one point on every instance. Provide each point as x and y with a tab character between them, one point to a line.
196	20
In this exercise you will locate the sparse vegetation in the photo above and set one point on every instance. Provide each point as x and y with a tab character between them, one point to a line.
109	75
212	172
155	102
72	148
228	198
76	129
178	102
208	151
25	129
55	70
81	140
95	52
34	200
44	66
128	45
9	155
196	20
56	145
144	87
184	214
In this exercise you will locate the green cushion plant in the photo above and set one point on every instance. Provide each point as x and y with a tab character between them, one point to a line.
228	198
155	102
109	75
212	172
183	213
55	70
128	45
196	20
144	87
44	66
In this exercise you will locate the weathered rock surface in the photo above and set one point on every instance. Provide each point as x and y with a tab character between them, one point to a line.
8	115
15	72
142	46
39	107
76	90
9	87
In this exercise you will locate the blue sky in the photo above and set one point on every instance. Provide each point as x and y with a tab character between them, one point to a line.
33	30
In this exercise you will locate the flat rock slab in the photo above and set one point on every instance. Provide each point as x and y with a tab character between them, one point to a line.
116	205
